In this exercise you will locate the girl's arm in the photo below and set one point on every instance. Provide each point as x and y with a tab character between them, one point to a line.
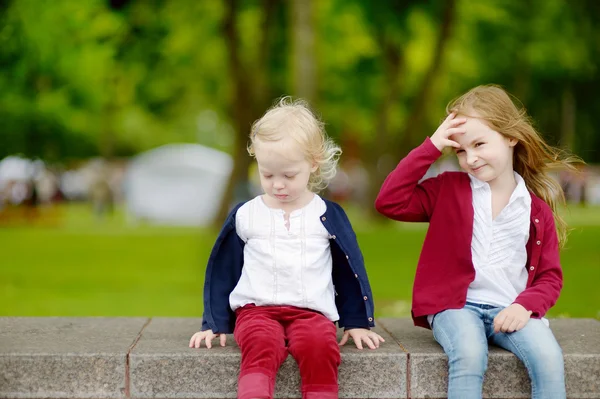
548	281
401	197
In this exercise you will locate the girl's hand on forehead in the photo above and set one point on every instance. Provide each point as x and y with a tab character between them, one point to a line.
452	125
360	335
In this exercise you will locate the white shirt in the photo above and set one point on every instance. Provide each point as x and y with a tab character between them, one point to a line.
285	267
498	245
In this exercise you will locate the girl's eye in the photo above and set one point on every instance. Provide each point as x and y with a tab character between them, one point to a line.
289	177
479	144
267	176
460	151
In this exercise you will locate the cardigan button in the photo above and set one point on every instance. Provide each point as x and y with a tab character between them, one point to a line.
538	242
365	297
356	275
323	218
347	257
370	319
537	220
532	268
333	236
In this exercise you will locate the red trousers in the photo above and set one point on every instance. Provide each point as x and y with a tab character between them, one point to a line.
265	334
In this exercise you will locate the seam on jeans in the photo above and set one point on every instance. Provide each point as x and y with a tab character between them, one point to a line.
447	339
526	362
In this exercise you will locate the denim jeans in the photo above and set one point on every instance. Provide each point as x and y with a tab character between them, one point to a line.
464	334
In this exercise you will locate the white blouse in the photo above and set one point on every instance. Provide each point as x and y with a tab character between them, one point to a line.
285	266
498	245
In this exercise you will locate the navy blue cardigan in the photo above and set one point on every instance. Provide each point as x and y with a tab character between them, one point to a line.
354	299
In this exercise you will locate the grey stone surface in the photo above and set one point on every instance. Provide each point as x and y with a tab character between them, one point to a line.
506	376
65	357
162	366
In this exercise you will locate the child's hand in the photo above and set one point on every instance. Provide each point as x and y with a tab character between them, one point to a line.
511	318
207	336
448	127
360	335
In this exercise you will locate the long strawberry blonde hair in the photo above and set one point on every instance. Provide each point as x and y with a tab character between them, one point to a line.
533	158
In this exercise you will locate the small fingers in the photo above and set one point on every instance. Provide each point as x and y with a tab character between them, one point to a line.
377	339
208	341
456	130
451	143
223	339
358	343
513	326
344	338
498	321
507	323
369	342
456	122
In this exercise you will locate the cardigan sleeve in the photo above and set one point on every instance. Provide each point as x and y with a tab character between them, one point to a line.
548	280
401	196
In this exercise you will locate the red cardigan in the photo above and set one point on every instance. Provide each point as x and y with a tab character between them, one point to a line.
445	269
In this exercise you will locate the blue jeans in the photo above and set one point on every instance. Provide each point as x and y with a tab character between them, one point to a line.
464	334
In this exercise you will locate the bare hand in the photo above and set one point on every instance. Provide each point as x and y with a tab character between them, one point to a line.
206	336
511	319
360	335
450	126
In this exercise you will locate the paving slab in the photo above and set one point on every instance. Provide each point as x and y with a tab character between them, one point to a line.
506	377
54	357
162	366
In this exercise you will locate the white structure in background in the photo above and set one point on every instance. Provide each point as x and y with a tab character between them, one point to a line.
16	176
177	184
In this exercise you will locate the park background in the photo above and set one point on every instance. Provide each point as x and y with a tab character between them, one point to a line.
89	87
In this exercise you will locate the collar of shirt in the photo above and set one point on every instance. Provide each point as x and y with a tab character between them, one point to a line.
520	192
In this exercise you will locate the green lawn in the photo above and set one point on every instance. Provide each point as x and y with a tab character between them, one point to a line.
88	268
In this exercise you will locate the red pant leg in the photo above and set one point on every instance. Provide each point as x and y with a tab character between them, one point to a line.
312	342
262	343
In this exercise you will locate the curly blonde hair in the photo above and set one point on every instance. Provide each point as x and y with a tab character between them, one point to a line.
294	119
533	158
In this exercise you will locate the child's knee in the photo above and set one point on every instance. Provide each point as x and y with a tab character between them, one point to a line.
318	350
470	358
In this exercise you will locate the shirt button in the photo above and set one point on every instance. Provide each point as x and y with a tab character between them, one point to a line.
370	319
365	297
323	218
537	220
356	275
531	268
538	242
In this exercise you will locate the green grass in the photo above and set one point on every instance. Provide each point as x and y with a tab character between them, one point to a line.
86	267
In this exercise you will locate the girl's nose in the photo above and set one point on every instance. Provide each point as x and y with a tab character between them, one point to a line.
471	159
278	184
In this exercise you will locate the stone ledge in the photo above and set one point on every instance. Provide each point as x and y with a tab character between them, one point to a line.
143	358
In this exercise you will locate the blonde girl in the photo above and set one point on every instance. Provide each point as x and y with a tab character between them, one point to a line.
271	274
489	269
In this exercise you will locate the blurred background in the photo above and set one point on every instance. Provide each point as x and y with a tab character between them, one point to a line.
124	124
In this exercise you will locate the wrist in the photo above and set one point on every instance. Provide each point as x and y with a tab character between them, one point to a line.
436	143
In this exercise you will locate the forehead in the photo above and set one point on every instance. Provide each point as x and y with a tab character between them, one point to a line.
476	129
285	153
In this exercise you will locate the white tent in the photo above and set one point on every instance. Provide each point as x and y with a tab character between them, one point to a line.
177	184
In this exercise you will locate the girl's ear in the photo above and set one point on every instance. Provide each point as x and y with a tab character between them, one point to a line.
512	142
314	167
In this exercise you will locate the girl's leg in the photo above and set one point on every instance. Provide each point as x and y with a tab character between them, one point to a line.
537	348
313	343
461	332
261	339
